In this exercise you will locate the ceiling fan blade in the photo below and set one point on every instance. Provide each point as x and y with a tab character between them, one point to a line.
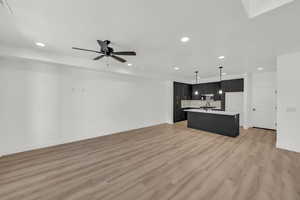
125	53
118	58
99	57
85	50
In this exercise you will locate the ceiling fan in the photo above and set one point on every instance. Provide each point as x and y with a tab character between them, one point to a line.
107	51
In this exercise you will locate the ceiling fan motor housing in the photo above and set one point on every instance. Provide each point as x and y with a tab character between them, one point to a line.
109	51
107	42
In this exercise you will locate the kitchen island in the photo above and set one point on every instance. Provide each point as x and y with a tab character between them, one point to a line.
220	122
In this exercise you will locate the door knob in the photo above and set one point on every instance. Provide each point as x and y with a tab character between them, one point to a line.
254	109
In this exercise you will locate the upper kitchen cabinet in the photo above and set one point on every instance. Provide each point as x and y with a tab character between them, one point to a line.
235	85
197	90
187	92
205	88
182	91
210	88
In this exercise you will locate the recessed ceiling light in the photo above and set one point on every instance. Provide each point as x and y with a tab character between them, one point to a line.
176	68
40	44
260	68
221	57
185	39
129	64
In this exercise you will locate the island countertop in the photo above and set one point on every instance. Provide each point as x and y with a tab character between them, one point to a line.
212	112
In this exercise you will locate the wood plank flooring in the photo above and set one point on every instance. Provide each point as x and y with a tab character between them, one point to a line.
156	163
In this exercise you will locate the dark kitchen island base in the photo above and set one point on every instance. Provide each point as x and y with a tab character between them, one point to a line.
224	124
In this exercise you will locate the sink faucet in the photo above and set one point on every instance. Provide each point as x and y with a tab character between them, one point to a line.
207	104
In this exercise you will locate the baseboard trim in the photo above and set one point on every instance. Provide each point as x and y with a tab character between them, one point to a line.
268	129
281	147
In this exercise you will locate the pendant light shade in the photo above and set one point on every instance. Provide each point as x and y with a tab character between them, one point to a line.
196	92
220	90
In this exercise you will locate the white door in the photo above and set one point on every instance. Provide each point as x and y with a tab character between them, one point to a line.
264	101
234	102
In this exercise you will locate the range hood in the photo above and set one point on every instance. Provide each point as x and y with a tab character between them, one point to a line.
208	95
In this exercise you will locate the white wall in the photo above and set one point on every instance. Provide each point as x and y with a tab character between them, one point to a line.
47	104
288	98
247	100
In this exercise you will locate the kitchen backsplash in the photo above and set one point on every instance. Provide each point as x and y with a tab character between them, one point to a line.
199	103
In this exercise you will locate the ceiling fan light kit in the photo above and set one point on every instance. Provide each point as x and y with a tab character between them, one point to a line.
107	51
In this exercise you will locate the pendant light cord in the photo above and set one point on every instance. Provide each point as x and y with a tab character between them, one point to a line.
220	91
220	73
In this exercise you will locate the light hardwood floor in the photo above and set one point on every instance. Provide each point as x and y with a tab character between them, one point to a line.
160	162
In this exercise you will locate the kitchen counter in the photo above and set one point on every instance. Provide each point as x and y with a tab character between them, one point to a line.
220	122
212	112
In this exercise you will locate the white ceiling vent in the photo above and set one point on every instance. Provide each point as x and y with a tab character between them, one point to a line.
258	7
5	5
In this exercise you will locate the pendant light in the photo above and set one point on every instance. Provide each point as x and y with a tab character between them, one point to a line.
196	72
220	90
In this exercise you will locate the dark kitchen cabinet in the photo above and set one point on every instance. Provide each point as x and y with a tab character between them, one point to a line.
182	91
235	85
206	88
211	88
177	102
186	93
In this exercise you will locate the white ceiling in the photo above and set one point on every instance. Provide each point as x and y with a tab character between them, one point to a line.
153	29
